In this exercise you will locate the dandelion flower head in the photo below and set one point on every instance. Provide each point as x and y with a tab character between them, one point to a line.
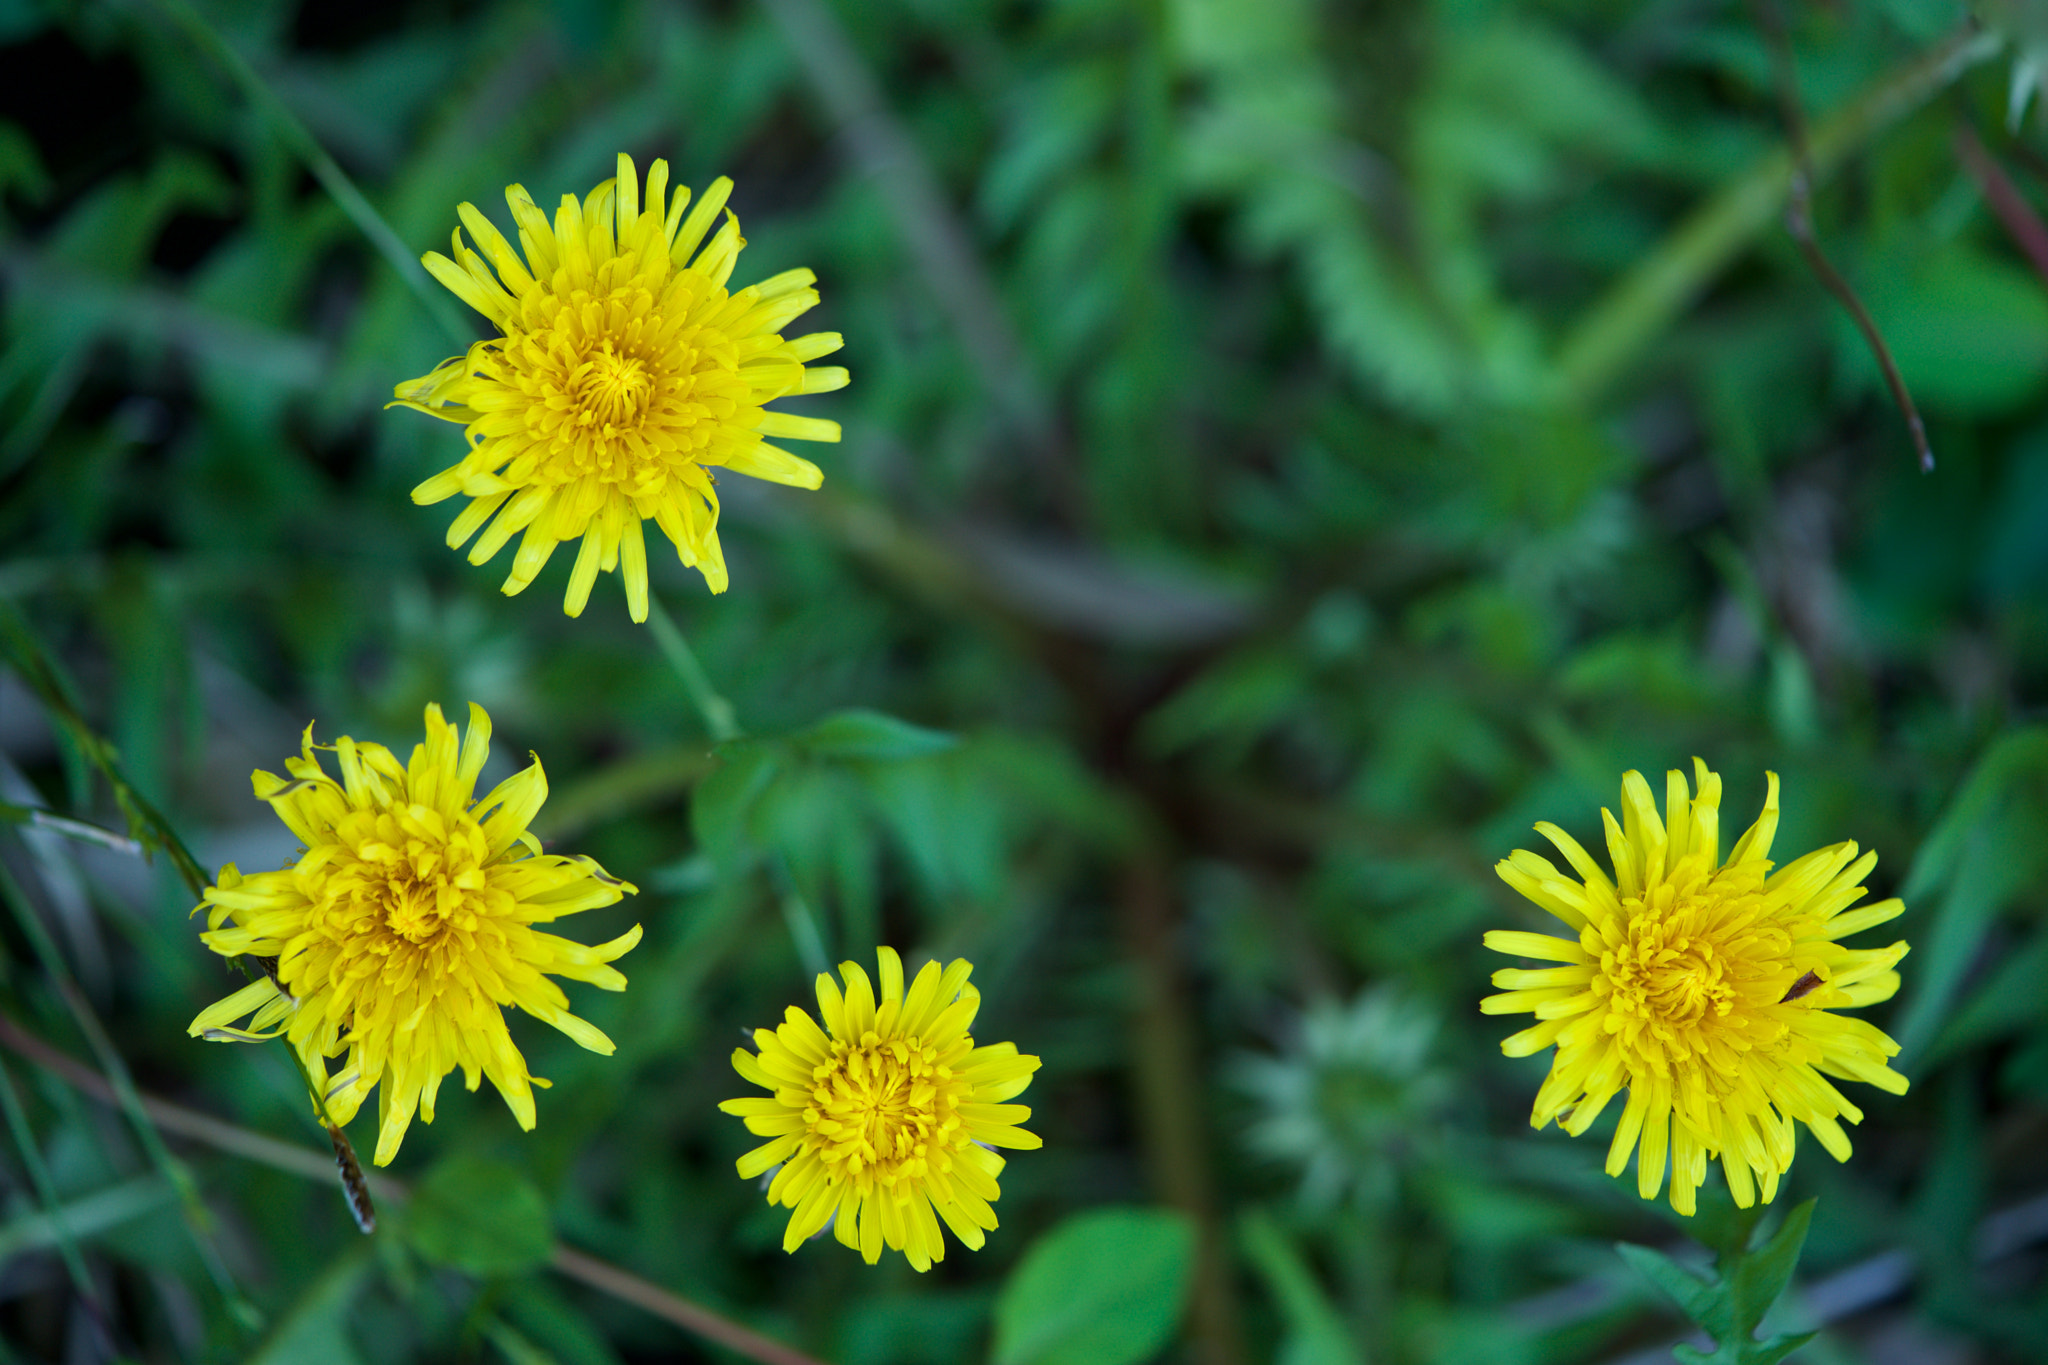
624	376
885	1116
406	926
1706	989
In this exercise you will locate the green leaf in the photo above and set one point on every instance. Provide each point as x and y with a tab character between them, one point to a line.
1694	1296
1969	330
1103	1288
315	1332
723	802
1750	1353
481	1216
862	734
1316	1333
515	1348
1731	1307
1760	1276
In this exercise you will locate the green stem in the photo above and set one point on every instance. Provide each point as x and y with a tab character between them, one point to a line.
719	717
1618	328
331	176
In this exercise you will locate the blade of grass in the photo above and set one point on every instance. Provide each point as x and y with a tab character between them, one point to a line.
1799	222
53	1214
82	1217
19	646
324	168
939	244
35	818
197	1219
601	1275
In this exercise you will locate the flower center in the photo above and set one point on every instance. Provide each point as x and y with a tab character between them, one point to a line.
1668	974
399	881
879	1107
611	390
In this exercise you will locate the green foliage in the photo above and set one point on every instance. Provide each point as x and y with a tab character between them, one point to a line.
480	1216
1293	447
1731	1306
1102	1288
315	1330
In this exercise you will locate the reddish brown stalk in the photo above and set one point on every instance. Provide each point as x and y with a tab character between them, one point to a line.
1171	1112
2014	213
1799	223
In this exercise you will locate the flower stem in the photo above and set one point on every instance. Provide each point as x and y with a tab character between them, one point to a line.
718	714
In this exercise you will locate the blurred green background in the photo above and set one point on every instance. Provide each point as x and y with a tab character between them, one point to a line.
1293	447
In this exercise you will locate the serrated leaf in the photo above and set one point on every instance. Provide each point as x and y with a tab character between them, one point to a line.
1731	1307
1694	1296
1760	1276
481	1216
1103	1288
1778	1347
863	734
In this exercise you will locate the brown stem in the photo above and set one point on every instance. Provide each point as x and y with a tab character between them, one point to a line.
691	1317
186	1123
315	1165
1170	1110
1799	222
2015	214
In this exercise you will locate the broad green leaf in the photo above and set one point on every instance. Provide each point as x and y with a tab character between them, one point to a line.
1968	330
1103	1288
315	1331
481	1216
723	802
1694	1296
862	734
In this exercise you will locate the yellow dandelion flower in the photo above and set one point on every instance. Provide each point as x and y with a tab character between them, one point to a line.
624	377
406	926
886	1114
1703	988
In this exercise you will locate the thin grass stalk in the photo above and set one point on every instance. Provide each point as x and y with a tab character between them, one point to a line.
666	1304
325	169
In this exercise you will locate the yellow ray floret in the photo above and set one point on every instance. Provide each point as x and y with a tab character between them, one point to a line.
625	375
1704	989
884	1122
406	927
